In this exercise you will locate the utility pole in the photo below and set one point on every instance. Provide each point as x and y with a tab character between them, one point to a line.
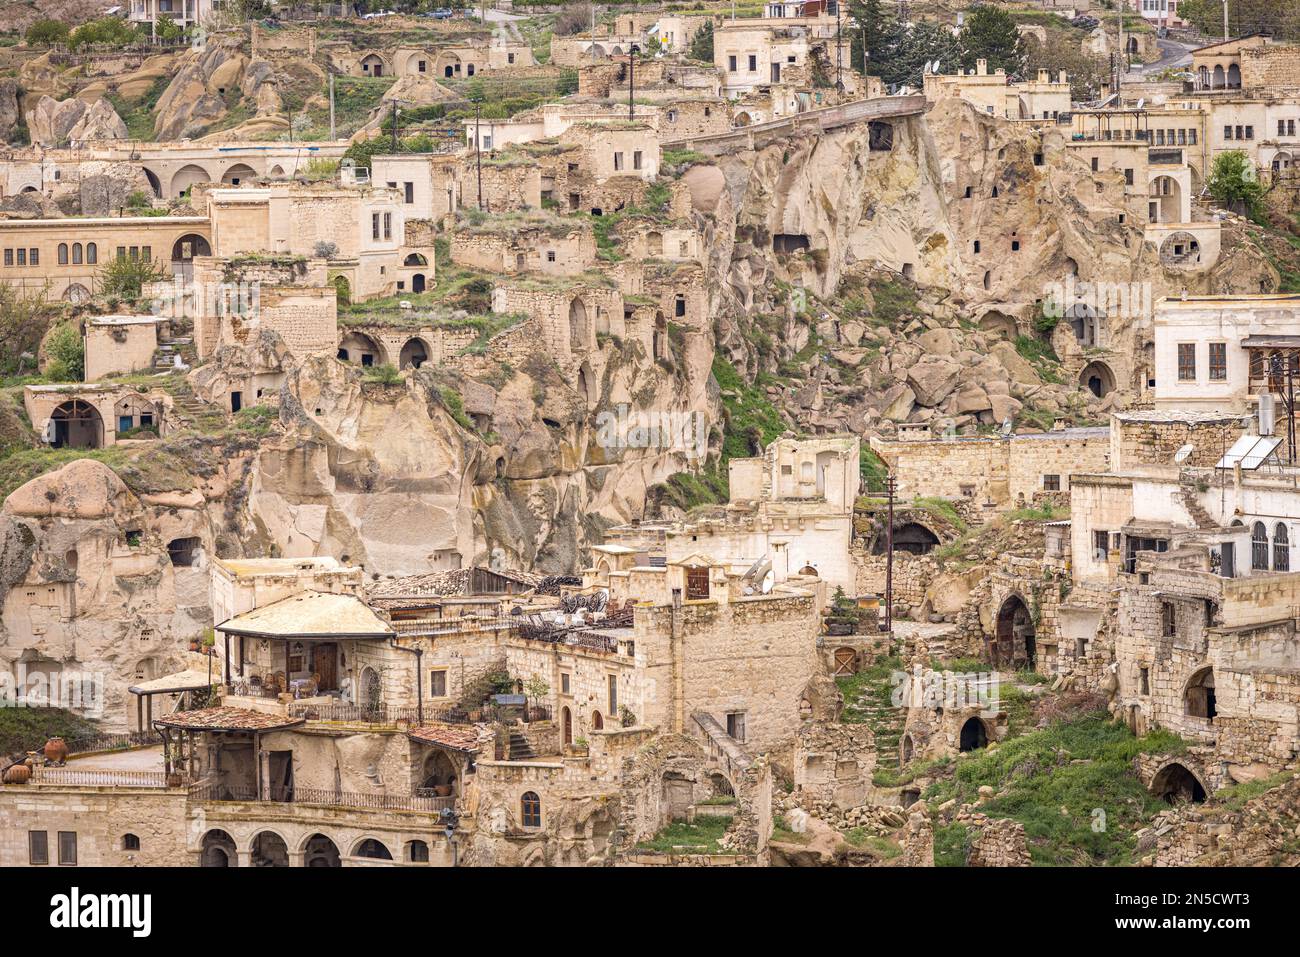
333	134
478	150
394	126
1122	51
839	56
631	82
1225	20
890	487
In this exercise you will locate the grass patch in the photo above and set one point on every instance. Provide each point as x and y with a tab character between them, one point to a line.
700	837
1041	356
894	299
26	729
1058	782
882	847
1235	796
750	418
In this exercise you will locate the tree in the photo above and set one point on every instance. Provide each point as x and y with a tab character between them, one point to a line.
990	34
45	33
1233	184
125	278
924	42
23	320
575	18
67	354
1281	18
106	30
1088	74
874	33
701	47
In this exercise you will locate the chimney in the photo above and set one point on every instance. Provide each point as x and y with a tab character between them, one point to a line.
1044	76
982	67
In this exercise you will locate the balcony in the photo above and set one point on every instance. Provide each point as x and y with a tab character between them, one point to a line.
422	799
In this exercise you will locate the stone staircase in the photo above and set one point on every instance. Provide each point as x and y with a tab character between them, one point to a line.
518	748
886	723
1187	498
179	341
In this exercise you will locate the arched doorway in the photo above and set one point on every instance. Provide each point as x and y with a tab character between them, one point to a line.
440	774
998	323
1234	77
1218	81
342	290
372	65
320	851
566	722
1198	698
414	354
1097	378
371	693
418	283
270	850
238	174
187	247
1014	644
577	324
186	177
742	120
973	735
154	184
373	849
77	425
1166	200
76	293
218	850
359	348
1176	784
915	539
597	722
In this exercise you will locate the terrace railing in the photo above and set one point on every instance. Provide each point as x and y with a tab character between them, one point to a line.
422	800
98	777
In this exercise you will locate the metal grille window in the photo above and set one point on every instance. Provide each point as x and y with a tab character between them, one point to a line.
1218	360
1187	361
1258	547
38	847
68	848
1281	549
1051	483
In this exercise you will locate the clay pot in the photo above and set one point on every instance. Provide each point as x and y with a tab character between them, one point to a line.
56	751
18	774
442	790
175	780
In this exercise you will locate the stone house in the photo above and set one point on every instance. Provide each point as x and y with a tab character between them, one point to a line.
120	344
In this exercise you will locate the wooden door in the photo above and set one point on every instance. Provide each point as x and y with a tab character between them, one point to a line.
846	662
325	658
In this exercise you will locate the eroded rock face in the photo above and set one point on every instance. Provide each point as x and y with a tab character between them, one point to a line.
10	115
90	587
56	122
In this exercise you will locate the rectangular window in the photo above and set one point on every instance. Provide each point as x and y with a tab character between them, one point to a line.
409	190
34	257
68	848
374	225
1218	360
1227	132
1096	164
1100	545
22	256
613	695
1168	620
636	159
38	847
121	252
146	253
1187	361
618	161
9	257
1051	483
1144	680
1281	127
1191	137
736	726
438	683
731	64
388	225
753	63
1250	132
564	683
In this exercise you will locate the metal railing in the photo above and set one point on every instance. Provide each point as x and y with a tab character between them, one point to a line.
353	713
81	744
99	778
423	799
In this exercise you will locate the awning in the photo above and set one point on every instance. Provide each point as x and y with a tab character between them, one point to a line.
455	737
227	719
174	683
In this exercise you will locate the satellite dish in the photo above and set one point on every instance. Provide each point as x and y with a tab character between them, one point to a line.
1182	454
936	67
1006	426
1141	102
768	581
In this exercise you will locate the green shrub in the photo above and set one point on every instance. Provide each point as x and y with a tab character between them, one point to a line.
67	352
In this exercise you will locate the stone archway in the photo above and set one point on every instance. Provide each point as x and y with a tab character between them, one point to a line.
440	774
269	850
372	849
187	176
414	354
218	850
359	348
1176	784
974	735
1014	642
239	174
1097	378
77	425
577	324
320	851
915	539
188	246
1180	249
1199	699
998	323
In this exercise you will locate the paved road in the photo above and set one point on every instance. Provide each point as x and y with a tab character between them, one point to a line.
1173	54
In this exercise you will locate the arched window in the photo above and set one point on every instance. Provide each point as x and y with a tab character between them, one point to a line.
597	722
76	254
530	809
417	852
92	253
1281	549
1258	547
63	254
130	842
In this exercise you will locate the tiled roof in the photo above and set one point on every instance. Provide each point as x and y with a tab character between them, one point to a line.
227	719
456	581
456	737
